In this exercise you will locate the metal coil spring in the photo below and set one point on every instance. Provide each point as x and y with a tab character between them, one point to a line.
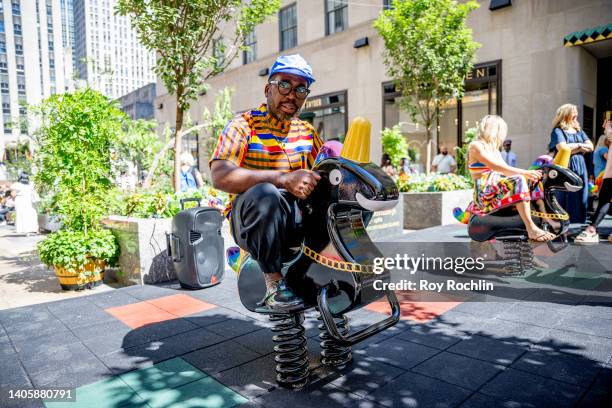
332	353
518	257
291	353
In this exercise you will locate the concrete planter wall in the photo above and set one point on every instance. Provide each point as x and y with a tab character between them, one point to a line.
143	257
48	222
424	210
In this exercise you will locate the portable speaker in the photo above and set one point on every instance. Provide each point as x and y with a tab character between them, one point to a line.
196	246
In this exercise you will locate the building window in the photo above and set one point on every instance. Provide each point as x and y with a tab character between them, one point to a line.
3	64
387	4
250	54
6	107
219	52
17	25
4	84
2	44
21	86
16	7
327	113
20	64
336	12
482	96
18	45
1	24
288	27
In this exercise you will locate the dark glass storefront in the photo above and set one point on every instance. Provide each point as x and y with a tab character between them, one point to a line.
327	113
482	96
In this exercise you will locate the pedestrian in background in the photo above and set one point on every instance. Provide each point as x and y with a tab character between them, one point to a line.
590	234
508	155
567	132
26	219
443	163
190	176
387	165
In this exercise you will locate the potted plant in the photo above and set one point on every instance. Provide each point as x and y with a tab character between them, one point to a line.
77	133
79	258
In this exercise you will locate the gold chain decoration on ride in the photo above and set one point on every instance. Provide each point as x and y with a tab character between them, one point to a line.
336	264
561	217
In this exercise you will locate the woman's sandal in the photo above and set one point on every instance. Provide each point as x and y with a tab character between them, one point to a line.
540	237
586	237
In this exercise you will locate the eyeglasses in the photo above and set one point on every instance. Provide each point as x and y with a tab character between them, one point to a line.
284	88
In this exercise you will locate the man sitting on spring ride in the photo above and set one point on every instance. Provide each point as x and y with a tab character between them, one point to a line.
258	154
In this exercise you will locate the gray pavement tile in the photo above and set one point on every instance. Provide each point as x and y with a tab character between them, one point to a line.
521	313
33	344
363	376
314	395
236	327
75	313
587	324
6	402
136	357
112	298
552	298
437	337
146	292
32	313
513	387
594	309
29	330
13	374
513	332
484	309
108	337
56	356
415	390
398	353
459	370
587	346
212	316
559	366
252	379
71	373
488	349
189	341
161	330
220	357
478	400
596	398
260	341
604	378
467	323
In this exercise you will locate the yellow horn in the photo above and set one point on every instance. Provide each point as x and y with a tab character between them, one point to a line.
357	142
563	156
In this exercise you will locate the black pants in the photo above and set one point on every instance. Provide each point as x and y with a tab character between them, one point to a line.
603	207
266	222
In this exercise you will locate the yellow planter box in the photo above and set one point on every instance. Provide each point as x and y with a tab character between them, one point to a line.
88	276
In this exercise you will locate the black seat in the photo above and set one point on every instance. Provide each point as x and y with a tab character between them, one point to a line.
504	223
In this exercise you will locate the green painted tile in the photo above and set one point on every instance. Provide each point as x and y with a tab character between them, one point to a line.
109	393
162	376
203	393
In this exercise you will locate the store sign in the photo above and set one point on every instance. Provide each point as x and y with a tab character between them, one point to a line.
483	73
313	103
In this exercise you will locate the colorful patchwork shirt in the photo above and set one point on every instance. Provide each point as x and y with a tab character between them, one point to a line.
256	140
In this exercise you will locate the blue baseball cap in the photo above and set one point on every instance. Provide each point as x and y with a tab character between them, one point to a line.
292	64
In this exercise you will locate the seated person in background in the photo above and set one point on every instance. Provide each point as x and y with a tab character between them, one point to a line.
260	153
443	163
387	165
497	184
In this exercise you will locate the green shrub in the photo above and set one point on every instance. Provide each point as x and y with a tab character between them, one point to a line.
73	249
433	182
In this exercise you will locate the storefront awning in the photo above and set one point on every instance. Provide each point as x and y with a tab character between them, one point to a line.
591	35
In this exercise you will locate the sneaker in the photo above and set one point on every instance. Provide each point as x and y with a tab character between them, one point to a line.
586	238
280	298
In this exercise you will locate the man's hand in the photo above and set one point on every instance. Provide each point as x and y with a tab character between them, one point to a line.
300	183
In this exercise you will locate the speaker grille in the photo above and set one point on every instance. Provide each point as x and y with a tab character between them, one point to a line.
194	236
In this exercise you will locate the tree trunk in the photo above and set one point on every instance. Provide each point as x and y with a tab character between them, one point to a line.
429	152
178	138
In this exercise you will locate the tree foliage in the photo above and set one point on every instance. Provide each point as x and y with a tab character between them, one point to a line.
77	133
194	40
216	120
394	144
428	52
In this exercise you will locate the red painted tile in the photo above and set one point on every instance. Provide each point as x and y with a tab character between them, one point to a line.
181	305
412	308
158	310
139	314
